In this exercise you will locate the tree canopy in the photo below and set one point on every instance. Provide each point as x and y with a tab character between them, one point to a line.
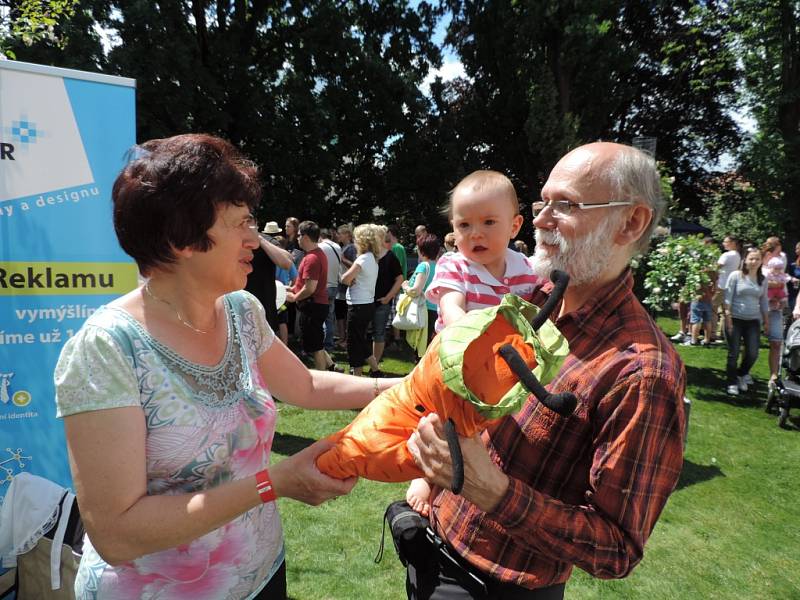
327	96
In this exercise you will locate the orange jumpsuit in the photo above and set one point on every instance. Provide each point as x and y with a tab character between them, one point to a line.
461	376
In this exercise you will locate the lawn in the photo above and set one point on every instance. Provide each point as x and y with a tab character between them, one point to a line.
730	530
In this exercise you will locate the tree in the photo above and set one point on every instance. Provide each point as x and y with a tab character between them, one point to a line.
31	21
678	269
315	91
768	42
548	75
736	207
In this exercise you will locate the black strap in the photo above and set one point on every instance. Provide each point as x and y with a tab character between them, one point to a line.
455	456
563	403
560	280
379	556
335	251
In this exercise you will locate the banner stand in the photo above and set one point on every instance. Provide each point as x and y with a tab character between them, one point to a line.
64	136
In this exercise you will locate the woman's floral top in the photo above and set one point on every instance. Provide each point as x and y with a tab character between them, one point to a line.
205	426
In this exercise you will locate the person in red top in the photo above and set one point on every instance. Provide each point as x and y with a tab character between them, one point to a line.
310	294
544	493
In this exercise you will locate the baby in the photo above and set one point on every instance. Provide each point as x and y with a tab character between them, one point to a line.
776	283
484	213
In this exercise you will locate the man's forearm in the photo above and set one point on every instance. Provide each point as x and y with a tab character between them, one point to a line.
308	289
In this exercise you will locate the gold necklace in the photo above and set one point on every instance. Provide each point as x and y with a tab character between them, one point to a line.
178	314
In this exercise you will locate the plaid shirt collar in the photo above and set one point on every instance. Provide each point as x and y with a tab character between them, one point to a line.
591	316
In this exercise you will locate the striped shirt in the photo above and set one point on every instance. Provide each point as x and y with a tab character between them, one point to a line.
455	272
584	490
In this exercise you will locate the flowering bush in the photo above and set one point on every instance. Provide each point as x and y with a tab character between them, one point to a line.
678	268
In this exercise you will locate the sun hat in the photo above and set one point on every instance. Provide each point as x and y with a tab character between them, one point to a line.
271	227
775	263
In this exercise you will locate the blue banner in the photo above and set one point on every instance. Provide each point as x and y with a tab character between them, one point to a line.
63	139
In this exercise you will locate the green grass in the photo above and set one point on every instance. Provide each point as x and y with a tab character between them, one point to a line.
730	530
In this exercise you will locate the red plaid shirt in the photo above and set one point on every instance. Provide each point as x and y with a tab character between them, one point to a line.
585	490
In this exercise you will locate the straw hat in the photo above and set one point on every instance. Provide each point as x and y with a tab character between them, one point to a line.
271	227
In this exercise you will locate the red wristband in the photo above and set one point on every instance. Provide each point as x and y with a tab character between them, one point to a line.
264	487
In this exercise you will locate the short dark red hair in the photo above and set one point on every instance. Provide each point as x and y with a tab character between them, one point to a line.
429	246
168	195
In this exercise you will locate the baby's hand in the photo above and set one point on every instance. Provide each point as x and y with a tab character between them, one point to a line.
418	496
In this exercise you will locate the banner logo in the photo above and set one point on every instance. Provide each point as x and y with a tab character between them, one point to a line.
5	383
39	128
25	131
15	456
19	398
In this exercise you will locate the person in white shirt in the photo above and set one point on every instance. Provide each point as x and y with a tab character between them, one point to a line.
360	279
333	252
728	262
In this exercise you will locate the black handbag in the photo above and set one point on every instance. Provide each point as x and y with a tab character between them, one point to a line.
408	529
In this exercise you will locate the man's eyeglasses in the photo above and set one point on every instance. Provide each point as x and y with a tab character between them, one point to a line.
563	208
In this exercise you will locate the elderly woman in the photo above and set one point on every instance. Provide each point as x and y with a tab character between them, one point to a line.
166	394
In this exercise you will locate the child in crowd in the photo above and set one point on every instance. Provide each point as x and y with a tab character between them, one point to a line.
701	314
777	279
484	213
450	242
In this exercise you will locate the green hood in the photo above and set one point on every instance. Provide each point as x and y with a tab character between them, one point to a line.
549	345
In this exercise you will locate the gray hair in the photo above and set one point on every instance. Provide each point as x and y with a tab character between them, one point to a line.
633	176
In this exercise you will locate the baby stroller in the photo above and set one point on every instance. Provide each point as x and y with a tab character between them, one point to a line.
785	394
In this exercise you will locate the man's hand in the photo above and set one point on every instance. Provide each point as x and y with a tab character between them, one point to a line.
291	297
484	483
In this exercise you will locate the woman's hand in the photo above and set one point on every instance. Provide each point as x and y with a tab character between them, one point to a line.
298	477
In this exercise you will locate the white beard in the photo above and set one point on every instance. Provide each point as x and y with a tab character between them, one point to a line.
583	259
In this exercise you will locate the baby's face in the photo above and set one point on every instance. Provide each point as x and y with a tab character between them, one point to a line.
483	223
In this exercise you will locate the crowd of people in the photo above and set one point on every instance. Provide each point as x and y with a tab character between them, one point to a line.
342	286
754	289
167	393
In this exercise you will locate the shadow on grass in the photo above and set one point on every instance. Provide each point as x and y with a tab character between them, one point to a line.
693	473
288	444
712	384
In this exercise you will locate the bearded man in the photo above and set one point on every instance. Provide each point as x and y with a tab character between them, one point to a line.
543	492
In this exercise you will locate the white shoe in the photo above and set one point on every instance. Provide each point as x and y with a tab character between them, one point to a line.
733	390
678	337
748	379
742	384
